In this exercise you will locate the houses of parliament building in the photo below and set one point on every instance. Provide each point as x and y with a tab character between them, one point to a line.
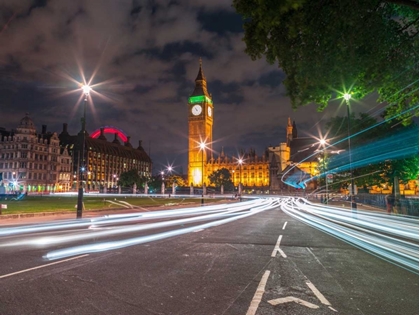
250	170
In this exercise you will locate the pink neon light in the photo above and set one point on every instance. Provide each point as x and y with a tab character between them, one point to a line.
112	130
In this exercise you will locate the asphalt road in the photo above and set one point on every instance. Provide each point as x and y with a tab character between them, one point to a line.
256	265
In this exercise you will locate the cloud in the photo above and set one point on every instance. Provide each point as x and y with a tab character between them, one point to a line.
144	59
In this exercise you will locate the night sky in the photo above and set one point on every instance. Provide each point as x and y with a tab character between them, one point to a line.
143	58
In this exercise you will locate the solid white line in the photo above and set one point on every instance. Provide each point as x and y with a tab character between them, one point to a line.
50	264
317	293
258	294
284	226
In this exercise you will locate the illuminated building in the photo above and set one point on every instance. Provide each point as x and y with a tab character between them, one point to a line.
200	130
105	160
258	172
33	162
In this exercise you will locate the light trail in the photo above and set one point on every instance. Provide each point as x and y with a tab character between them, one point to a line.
379	151
105	246
53	240
392	238
360	230
87	229
120	218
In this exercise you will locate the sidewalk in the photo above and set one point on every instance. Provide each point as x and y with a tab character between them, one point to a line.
40	217
346	205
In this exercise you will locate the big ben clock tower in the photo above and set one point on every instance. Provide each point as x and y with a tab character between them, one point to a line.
200	130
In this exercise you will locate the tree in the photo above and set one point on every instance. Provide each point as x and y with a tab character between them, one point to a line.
131	177
178	180
154	183
221	177
395	144
330	47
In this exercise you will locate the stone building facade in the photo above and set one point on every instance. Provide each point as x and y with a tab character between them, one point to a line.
103	161
33	162
257	172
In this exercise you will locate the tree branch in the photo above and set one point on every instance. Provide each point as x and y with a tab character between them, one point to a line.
408	3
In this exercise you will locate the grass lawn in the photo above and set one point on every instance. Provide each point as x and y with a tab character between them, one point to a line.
31	204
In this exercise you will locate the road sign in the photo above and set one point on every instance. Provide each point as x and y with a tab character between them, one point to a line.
330	178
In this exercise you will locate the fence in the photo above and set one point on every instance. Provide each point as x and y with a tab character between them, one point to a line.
402	205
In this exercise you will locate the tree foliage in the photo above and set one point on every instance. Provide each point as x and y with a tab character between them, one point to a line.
367	133
330	47
131	177
177	179
154	183
221	177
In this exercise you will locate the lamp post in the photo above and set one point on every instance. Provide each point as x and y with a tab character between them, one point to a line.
347	97
162	189
202	148
233	179
86	89
14	181
323	142
173	182
240	161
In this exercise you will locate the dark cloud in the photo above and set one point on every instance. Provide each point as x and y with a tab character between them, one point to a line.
143	57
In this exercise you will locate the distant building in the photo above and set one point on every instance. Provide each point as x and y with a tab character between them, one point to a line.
262	173
102	162
33	162
302	164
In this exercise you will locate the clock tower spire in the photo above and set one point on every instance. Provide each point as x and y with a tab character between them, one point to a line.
200	129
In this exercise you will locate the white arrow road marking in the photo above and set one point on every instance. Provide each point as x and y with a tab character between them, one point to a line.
318	294
258	294
277	249
284	226
289	299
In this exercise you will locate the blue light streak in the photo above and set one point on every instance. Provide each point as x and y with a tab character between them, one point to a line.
392	238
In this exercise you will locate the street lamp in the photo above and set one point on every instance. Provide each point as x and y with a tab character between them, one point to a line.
170	169
162	189
323	142
86	89
240	161
202	148
347	97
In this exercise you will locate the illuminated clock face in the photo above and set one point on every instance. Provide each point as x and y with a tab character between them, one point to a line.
196	110
209	111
